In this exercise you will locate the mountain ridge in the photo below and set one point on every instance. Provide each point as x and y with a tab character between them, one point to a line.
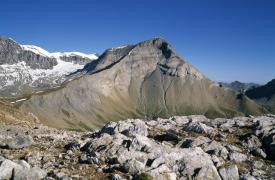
240	86
264	95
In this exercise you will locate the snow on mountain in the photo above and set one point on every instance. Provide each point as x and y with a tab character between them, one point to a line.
20	78
36	50
69	54
43	52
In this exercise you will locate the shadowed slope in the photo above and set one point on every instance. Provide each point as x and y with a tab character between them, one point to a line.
264	95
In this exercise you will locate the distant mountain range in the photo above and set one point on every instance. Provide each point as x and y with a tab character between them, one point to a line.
147	80
26	69
240	86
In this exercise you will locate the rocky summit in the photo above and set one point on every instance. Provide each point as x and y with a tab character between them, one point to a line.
180	147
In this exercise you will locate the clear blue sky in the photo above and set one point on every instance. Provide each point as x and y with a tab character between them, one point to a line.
227	40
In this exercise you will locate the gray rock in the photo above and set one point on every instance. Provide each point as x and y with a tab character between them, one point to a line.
128	128
259	152
258	172
216	148
20	141
20	170
196	142
169	135
192	159
142	143
135	166
164	124
229	173
115	177
29	174
92	160
180	120
228	124
72	145
208	173
237	157
233	148
253	142
217	161
243	121
102	141
22	163
6	169
258	164
248	177
85	159
2	159
162	172
198	119
199	128
62	176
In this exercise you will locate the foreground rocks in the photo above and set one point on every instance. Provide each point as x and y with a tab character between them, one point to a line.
186	147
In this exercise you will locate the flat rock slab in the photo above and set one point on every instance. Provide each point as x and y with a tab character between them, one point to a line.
20	141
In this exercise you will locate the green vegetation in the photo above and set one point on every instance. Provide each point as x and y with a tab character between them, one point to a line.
84	126
144	176
65	112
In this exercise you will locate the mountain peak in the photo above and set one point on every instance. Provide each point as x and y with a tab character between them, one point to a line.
154	53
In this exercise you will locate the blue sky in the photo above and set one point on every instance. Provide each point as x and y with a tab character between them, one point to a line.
227	40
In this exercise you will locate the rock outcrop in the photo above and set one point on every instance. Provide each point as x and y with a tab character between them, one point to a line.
145	80
12	53
145	149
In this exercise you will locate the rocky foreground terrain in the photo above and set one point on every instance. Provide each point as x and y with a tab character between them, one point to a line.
181	147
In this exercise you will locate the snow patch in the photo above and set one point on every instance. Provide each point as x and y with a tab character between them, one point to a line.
69	54
19	100
20	73
36	50
120	47
57	55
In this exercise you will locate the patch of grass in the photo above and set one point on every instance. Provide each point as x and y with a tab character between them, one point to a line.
66	113
244	167
211	114
231	139
69	122
144	176
84	126
74	129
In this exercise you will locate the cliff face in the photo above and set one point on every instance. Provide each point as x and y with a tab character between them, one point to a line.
11	53
145	80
